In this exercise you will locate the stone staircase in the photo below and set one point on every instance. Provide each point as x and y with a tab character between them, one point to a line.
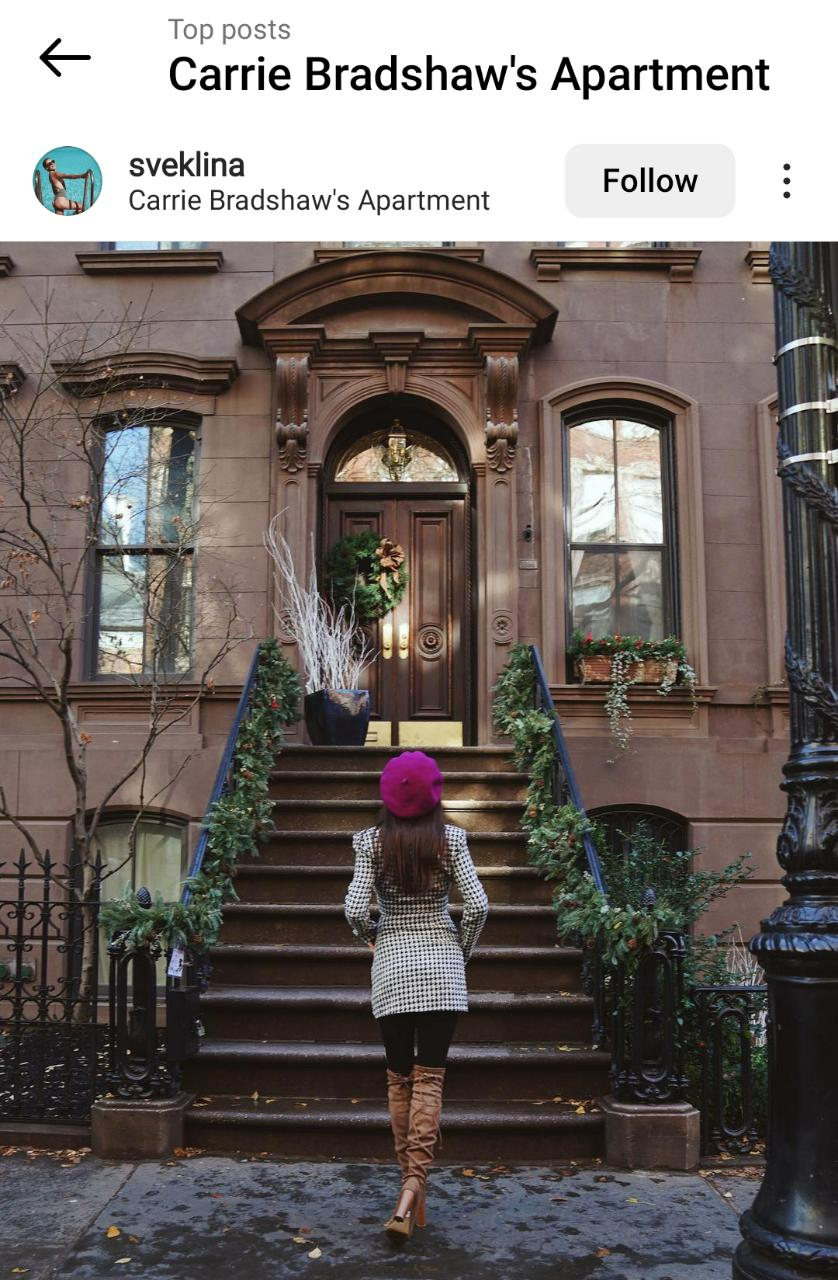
292	1063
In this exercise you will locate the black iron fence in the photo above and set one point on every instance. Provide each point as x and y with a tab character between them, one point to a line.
53	1047
730	1042
647	1041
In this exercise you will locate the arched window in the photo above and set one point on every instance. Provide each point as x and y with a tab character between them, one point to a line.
397	455
620	513
143	597
639	840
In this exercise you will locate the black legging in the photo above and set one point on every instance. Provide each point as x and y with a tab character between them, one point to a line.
433	1030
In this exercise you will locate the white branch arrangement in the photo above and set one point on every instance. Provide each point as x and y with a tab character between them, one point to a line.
333	647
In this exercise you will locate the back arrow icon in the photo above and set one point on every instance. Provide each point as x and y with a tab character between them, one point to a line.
49	57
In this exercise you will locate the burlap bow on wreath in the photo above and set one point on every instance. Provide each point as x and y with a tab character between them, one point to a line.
368	570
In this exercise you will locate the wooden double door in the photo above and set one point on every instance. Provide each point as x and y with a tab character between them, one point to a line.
422	671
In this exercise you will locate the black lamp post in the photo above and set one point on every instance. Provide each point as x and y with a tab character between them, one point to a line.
791	1231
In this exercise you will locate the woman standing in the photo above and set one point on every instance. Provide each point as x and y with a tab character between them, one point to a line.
411	858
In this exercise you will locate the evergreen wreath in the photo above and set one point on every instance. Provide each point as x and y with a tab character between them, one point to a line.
369	571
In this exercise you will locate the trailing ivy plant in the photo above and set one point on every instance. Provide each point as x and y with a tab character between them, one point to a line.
238	820
625	652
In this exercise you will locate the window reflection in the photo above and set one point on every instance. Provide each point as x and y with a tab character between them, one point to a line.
618	544
144	560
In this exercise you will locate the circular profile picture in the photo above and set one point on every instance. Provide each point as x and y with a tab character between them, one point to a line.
67	181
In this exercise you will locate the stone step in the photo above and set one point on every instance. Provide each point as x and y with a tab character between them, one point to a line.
250	1012
352	815
257	882
450	759
323	922
334	846
357	784
476	1072
322	1130
490	968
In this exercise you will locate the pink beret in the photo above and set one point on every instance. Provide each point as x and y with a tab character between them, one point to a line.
411	784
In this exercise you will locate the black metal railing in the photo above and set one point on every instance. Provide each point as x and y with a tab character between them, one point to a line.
636	1014
53	1049
731	1049
145	1059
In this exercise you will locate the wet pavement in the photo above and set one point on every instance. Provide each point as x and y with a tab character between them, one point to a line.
198	1217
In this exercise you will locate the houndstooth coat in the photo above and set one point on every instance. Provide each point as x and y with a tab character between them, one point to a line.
419	961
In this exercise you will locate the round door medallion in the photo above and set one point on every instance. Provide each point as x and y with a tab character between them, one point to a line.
430	642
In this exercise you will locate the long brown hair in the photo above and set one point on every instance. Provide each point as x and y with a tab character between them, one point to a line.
412	849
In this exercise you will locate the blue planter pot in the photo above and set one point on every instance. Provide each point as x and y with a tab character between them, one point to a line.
337	717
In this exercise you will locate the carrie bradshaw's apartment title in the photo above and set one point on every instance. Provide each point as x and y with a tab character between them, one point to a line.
429	75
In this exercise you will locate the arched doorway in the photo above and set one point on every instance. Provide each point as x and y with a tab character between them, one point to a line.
398	471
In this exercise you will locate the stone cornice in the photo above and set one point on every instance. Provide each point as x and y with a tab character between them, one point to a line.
586	702
416	277
174	371
145	261
468	254
115	694
679	263
6	265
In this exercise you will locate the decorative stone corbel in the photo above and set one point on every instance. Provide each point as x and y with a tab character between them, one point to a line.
292	411
501	410
396	349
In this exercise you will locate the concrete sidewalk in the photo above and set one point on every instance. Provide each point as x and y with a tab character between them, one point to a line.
202	1217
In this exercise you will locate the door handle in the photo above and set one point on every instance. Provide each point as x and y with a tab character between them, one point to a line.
387	641
404	639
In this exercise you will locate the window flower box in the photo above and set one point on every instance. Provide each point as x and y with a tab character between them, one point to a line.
618	662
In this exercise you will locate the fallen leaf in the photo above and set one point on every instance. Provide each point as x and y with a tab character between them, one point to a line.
315	1252
112	1232
467	1173
559	1199
255	1095
300	1240
580	1111
632	1200
728	1195
558	1099
20	1271
123	1260
133	1239
179	1151
602	1252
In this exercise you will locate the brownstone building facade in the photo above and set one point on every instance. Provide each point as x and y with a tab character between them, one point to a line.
590	444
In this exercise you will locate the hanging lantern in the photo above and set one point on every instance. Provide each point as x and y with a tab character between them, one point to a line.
396	452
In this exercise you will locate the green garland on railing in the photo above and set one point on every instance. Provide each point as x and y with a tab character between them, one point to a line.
619	930
238	820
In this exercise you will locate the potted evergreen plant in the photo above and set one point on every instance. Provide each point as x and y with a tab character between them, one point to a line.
622	661
333	648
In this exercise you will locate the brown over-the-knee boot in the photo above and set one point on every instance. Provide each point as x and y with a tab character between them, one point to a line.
399	1089
422	1136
